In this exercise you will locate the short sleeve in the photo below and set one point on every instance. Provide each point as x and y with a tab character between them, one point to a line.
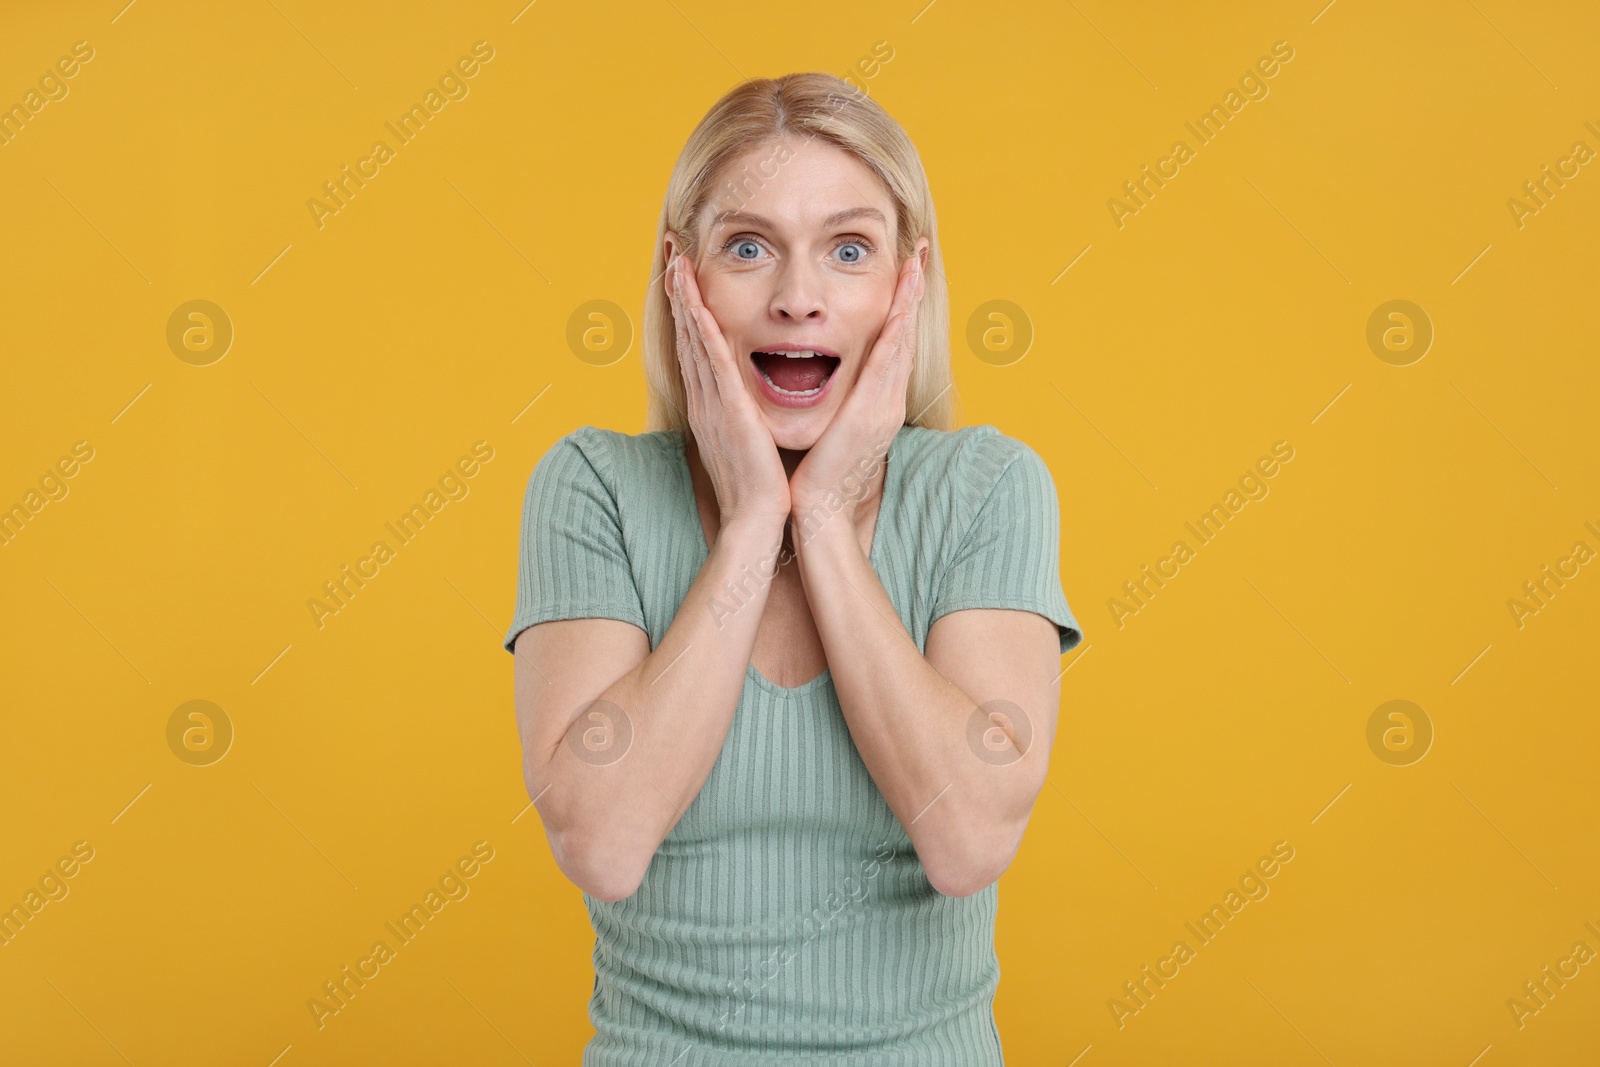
1010	555
573	563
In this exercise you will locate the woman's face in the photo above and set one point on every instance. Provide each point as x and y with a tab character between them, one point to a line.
798	255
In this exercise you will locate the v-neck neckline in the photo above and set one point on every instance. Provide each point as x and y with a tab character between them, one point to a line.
891	487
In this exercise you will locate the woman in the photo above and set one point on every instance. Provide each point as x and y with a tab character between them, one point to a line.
787	664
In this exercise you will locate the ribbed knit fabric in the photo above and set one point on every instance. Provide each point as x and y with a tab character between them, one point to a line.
786	918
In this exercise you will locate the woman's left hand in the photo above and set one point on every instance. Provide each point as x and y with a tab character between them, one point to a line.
851	451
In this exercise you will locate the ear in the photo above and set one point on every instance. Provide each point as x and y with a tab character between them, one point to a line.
671	248
923	252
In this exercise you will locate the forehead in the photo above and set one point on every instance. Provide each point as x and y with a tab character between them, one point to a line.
797	186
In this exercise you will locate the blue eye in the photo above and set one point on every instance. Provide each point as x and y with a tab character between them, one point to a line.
740	245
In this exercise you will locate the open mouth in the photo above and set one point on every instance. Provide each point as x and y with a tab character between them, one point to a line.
797	376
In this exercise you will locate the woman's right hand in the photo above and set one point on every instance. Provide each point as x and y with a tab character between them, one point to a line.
735	445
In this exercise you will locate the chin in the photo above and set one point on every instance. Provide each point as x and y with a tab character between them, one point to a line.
796	432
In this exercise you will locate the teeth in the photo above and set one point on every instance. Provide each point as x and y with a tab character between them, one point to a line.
792	355
790	392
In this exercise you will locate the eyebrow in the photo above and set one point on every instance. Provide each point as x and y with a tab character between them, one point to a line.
735	217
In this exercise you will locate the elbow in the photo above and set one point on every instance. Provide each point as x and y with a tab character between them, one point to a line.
975	868
605	885
580	849
588	854
964	881
602	873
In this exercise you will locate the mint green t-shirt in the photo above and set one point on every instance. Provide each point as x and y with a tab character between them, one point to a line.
786	918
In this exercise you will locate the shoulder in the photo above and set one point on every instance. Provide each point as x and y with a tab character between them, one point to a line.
614	458
966	464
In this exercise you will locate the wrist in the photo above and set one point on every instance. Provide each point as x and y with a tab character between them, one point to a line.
747	528
821	531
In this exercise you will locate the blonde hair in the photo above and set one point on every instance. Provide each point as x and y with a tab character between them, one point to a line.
817	107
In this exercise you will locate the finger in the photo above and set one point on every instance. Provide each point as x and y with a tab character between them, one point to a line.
716	370
710	382
681	303
682	343
905	304
885	354
697	379
724	372
914	324
906	358
897	358
893	374
912	281
906	350
696	342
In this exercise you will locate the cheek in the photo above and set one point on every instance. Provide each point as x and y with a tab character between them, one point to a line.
734	311
876	290
870	310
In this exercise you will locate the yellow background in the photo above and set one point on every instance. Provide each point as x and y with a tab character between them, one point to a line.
369	354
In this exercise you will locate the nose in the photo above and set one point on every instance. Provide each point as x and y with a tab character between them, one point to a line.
799	294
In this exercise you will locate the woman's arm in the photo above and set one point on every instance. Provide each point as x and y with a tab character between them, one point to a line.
666	712
960	786
617	740
957	740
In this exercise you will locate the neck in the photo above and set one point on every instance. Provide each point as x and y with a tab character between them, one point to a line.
791	459
871	494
